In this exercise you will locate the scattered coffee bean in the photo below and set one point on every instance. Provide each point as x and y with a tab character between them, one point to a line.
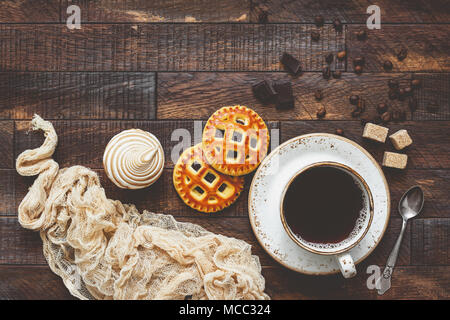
337	24
382	108
354	99
263	17
329	58
337	74
318	94
393	94
326	73
321	112
291	64
361	35
393	83
341	55
319	21
402	54
387	65
412	104
408	91
315	36
285	99
340	132
358	69
386	117
416	83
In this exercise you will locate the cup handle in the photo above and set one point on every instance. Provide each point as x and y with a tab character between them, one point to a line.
346	264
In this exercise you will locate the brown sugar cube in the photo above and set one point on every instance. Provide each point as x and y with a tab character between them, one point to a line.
400	139
395	160
375	132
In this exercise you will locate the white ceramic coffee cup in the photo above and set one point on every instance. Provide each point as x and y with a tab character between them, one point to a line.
339	250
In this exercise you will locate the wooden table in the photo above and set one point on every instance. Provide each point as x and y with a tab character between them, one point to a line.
144	64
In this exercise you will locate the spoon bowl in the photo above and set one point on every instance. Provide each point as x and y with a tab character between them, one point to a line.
411	203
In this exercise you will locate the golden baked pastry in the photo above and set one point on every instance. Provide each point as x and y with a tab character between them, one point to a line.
200	186
235	140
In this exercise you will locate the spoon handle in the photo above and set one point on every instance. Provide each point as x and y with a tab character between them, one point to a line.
384	283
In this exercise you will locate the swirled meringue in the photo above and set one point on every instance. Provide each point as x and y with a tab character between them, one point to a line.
133	159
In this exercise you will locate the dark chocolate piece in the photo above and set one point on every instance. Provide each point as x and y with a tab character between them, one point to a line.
264	91
285	99
291	64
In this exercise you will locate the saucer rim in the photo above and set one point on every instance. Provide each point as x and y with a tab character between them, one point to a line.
275	152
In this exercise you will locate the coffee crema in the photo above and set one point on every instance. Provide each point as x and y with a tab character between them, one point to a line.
323	204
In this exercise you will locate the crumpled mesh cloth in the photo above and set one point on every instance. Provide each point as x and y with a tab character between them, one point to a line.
103	249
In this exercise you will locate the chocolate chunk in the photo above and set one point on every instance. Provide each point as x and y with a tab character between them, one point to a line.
354	99
291	64
402	54
326	73
318	94
382	108
319	21
263	17
315	36
341	55
264	91
329	58
361	35
337	74
321	112
337	24
285	99
387	65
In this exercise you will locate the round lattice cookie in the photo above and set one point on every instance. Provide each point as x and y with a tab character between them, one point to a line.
235	140
200	186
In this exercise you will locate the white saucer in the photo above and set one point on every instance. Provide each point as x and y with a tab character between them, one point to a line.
274	173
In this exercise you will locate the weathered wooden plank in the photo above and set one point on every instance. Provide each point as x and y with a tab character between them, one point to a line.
74	136
161	10
427	47
6	144
13	11
430	148
73	95
408	283
162	47
352	11
431	241
7	192
197	95
39	282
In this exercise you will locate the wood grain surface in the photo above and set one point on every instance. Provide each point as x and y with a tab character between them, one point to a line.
166	66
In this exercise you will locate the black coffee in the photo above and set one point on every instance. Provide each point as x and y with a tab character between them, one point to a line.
322	205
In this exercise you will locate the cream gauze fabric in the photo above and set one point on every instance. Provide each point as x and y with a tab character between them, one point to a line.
103	249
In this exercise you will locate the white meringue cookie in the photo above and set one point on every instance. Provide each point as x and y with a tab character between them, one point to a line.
133	159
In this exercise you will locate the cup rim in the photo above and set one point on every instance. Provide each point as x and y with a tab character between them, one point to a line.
330	164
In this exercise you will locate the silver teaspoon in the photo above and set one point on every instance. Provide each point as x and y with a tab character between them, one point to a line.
409	206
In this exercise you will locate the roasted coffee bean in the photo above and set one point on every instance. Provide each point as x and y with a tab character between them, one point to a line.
315	36
393	94
340	132
387	65
361	35
321	112
386	117
412	104
393	83
408	91
319	21
359	61
326	73
382	108
358	69
337	74
416	83
402	54
329	58
337	24
263	17
354	99
341	55
318	94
